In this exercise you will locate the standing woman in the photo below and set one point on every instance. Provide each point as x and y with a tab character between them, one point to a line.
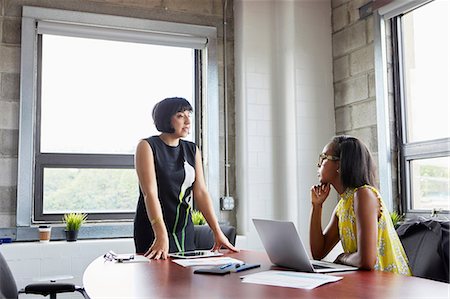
170	172
360	220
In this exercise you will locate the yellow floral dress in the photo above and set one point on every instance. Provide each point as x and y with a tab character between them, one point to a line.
391	256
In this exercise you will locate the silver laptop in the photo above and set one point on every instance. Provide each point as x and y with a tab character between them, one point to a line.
285	248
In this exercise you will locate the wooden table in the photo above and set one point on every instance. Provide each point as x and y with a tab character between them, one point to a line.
165	279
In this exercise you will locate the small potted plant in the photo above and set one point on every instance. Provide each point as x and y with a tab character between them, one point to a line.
396	219
73	222
198	218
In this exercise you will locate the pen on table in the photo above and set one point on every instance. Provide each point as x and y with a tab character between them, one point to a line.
245	267
225	266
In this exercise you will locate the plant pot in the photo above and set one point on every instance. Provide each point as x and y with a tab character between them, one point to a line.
71	235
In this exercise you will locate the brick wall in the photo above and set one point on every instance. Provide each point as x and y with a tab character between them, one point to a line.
201	12
353	72
354	79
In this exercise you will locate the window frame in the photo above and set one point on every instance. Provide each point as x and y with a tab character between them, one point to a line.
206	101
45	160
389	15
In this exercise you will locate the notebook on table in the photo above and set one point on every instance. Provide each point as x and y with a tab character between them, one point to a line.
285	248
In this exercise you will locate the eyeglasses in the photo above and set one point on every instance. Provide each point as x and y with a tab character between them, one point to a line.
109	256
112	256
323	157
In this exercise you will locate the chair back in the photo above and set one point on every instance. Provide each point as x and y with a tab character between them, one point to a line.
204	237
426	245
8	287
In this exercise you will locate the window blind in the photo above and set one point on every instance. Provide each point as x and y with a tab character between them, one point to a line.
125	35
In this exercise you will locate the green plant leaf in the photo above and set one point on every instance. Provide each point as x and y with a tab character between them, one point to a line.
198	218
396	218
73	221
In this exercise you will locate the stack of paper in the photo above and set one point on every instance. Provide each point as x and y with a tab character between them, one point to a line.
208	261
290	279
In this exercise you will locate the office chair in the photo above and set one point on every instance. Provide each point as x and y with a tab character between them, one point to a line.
204	238
8	287
427	247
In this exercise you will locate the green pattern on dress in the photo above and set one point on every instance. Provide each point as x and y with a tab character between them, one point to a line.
188	181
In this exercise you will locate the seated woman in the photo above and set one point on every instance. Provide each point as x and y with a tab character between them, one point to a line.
360	220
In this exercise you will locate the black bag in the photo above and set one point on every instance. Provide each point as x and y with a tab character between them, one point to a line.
426	244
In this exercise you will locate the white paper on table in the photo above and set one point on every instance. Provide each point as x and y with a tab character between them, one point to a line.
300	280
207	261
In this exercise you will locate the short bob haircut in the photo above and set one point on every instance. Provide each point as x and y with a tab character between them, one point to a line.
356	163
165	109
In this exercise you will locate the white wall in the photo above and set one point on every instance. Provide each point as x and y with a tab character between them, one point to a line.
33	261
284	109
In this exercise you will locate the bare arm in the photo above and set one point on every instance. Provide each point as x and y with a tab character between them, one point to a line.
203	200
145	168
321	242
366	207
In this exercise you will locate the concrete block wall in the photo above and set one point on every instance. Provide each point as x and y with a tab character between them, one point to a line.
201	12
353	72
9	114
354	79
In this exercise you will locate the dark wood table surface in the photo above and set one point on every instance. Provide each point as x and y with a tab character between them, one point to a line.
166	279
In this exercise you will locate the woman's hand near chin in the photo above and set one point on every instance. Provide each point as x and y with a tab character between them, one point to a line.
319	193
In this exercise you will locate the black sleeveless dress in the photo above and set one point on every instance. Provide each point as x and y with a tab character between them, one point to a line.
175	175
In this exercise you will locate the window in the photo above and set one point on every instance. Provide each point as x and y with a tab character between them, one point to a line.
113	86
89	86
420	64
